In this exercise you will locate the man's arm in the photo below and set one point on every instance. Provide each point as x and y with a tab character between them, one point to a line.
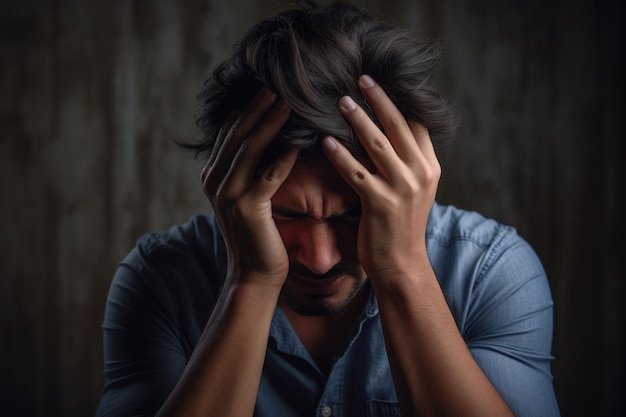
223	374
433	370
508	327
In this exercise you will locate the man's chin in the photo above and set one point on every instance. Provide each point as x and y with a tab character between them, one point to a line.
313	308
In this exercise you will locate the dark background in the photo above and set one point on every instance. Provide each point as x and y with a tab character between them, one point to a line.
93	92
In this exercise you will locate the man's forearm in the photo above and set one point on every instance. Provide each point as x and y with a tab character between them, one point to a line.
223	374
433	370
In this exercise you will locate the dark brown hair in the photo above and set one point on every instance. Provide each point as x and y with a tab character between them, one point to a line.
311	57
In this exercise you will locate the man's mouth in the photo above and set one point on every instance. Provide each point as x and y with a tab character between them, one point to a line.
324	285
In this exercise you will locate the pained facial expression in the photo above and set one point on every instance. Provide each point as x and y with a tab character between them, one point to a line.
317	214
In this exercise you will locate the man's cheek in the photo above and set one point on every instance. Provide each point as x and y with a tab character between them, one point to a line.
290	233
347	233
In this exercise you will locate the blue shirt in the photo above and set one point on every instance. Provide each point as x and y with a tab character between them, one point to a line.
163	293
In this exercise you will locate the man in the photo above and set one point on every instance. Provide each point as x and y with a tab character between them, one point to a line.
327	281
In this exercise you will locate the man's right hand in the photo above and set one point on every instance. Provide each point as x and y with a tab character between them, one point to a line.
222	376
240	195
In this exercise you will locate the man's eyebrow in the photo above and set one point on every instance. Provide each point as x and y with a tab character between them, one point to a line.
350	212
288	212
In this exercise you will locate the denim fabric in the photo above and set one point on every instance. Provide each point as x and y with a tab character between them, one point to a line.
163	293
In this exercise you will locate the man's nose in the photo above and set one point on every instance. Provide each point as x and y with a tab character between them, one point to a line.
317	249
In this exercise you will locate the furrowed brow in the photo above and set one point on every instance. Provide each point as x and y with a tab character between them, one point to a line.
287	212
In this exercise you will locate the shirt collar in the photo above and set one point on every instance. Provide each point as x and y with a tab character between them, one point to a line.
284	338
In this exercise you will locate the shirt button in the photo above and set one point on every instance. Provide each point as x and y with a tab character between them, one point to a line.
327	411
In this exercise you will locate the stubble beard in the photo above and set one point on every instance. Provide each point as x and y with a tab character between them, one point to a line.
318	305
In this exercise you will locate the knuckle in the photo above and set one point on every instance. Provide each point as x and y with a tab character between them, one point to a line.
210	185
272	174
428	175
437	171
238	208
208	190
232	130
242	151
410	189
380	142
244	146
224	199
358	176
393	118
428	178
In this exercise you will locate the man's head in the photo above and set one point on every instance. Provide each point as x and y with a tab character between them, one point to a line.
312	56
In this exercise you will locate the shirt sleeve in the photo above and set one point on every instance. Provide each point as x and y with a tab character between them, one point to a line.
509	326
143	353
158	304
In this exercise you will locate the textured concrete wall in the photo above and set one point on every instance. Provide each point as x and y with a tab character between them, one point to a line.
93	94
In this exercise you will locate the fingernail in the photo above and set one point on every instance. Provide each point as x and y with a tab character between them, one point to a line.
347	103
266	92
367	81
329	143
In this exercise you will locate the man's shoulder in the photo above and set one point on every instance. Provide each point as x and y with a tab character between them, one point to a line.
169	281
465	247
448	225
198	234
468	240
191	249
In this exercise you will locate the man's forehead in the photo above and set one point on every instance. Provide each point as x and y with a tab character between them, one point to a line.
315	185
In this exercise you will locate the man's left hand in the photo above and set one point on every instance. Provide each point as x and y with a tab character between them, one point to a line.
397	192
